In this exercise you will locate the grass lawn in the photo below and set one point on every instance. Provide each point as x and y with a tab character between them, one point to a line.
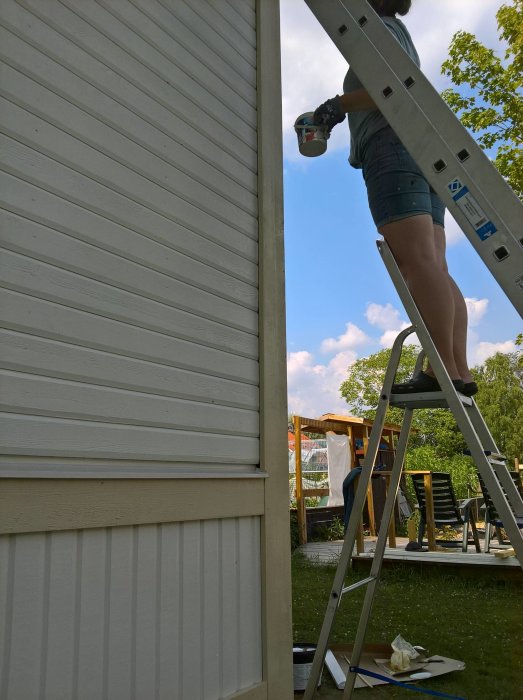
475	620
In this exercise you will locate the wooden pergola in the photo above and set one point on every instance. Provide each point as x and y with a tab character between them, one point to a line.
358	431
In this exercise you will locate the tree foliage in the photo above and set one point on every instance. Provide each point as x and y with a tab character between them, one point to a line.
362	388
495	111
500	400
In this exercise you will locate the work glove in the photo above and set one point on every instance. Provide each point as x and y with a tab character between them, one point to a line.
329	113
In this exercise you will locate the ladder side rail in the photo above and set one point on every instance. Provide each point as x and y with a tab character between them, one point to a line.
354	520
502	252
484	433
499	466
511	491
500	499
388	514
456	405
345	555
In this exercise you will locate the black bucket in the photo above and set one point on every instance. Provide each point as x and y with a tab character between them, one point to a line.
302	658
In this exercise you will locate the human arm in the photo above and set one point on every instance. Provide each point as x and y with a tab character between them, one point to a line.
333	111
357	101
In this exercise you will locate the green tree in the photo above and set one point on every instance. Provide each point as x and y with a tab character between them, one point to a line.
500	400
362	388
495	111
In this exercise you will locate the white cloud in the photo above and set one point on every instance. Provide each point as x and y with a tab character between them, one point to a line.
384	317
483	350
453	232
313	388
388	338
388	319
352	337
476	309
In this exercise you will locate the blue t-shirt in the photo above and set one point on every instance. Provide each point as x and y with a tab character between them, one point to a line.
365	124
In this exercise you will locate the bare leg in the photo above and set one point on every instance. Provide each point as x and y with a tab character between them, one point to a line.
460	311
413	244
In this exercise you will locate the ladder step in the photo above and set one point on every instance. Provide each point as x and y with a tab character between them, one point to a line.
492	456
358	584
429	399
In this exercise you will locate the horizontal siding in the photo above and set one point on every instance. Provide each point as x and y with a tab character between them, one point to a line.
245	10
160	266
43	396
118	613
96	95
166	246
133	171
84	335
227	25
36	435
77	43
129	218
233	62
95	191
36	278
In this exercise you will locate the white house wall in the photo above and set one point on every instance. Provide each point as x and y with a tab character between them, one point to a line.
144	533
130	232
119	613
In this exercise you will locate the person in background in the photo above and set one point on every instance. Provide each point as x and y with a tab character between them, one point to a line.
407	213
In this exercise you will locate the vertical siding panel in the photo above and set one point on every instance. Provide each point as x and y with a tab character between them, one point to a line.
29	615
249	601
146	612
62	615
6	609
230	593
211	613
166	612
91	615
121	619
190	630
170	622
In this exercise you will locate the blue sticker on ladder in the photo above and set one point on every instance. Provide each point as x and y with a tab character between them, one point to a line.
471	209
455	186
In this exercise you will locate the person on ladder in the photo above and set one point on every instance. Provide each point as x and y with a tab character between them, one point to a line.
407	213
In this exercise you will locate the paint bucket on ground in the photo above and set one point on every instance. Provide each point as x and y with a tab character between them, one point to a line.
302	658
312	139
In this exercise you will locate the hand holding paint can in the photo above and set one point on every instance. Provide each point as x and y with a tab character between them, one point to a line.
312	139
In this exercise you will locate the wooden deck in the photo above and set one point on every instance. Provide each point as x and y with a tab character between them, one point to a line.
329	553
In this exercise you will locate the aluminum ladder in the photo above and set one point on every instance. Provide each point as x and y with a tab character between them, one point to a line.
480	200
483	450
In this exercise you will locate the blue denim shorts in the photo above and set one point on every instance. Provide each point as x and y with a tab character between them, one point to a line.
396	187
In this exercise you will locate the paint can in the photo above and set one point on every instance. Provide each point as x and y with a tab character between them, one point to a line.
302	658
312	139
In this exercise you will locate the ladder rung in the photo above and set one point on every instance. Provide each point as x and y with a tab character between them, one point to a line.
492	456
363	582
431	399
497	460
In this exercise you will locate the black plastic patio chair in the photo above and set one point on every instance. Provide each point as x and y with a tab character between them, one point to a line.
492	519
447	509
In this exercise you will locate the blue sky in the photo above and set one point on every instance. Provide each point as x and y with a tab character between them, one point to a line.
341	304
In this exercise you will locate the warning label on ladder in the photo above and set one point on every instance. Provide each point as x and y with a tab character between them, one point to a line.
471	209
